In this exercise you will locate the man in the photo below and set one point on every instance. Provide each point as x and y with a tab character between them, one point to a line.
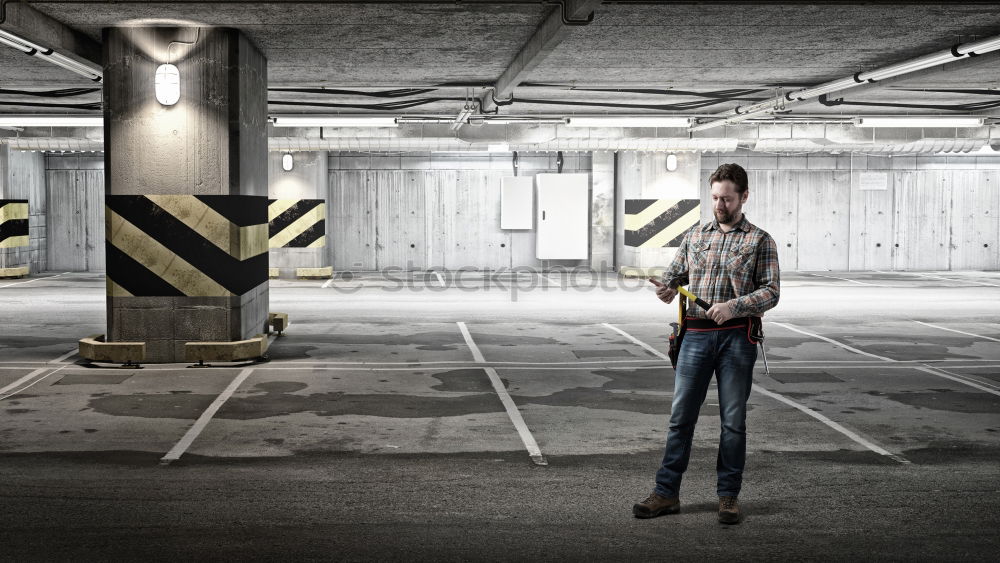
733	265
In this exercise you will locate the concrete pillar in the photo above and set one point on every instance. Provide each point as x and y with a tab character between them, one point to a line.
602	213
297	212
643	179
186	189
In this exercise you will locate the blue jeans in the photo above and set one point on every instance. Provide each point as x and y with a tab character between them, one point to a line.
731	356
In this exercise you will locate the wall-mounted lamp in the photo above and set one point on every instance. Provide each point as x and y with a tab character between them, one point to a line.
168	84
286	162
671	162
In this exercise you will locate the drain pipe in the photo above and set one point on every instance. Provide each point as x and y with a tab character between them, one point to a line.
959	51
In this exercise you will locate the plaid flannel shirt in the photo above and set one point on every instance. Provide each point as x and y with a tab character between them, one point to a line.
741	264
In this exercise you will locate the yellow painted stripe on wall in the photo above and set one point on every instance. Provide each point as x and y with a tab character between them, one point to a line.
115	290
639	220
158	259
676	228
298	226
318	243
14	242
12	211
279	206
253	241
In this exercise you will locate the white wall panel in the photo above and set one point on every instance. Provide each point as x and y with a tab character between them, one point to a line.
399	221
517	203
871	234
563	216
67	225
773	205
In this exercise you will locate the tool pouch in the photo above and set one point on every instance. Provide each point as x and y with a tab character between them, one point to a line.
677	332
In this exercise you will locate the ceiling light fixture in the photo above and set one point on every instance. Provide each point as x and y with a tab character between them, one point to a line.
671	162
628	121
287	162
44	53
917	121
51	121
168	84
333	121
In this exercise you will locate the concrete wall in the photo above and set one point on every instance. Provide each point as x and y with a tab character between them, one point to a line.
435	210
75	210
22	176
936	213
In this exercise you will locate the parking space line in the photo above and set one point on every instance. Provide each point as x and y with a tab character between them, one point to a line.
439	277
13	386
34	280
937	278
939	373
512	411
834	342
178	450
326	284
850	434
58	360
959	331
843	279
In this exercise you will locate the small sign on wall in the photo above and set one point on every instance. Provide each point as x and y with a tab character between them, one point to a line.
517	202
873	181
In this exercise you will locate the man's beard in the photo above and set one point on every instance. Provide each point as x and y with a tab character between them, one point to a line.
724	218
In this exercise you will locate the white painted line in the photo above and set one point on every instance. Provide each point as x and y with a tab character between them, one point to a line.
952	279
440	278
966	377
327	283
834	342
959	331
655	352
548	277
512	411
843	279
850	434
4	394
939	373
178	450
34	280
72	352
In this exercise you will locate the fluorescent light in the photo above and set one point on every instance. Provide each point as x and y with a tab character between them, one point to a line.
22	44
498	147
628	121
929	121
51	121
332	121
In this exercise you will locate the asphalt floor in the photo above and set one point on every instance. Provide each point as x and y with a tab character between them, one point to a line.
504	416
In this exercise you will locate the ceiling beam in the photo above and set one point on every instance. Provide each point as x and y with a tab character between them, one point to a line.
553	29
26	22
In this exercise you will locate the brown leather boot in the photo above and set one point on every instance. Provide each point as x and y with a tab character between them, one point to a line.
729	510
655	505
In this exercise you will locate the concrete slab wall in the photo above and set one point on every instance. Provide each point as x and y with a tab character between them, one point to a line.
437	210
935	213
22	176
308	179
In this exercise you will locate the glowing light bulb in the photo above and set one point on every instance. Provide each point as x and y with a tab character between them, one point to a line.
168	84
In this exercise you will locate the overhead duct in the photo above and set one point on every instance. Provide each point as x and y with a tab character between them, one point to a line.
281	144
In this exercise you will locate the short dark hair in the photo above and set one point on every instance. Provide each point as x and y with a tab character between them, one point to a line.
732	172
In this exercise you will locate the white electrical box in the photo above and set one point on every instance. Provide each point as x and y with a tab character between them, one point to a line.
517	202
563	216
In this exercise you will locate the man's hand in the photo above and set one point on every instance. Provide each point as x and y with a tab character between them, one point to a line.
720	312
665	293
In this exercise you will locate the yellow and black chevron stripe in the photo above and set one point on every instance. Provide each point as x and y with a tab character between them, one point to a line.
13	223
185	245
296	223
651	223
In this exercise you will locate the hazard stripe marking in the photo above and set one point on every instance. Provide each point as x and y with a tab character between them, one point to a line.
13	223
653	223
185	245
297	223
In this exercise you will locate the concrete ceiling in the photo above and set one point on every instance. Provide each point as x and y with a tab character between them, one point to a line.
731	53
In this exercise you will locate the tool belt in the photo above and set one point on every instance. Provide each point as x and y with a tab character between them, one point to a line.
753	325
